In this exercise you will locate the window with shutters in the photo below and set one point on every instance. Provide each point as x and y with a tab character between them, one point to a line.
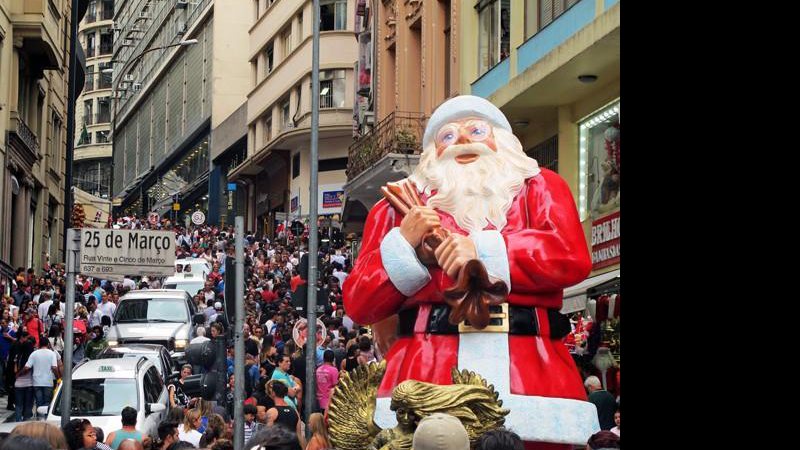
494	33
549	10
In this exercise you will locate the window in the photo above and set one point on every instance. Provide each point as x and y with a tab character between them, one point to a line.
141	310
90	44
286	120
494	38
296	165
549	10
91	12
103	110
108	9
55	142
89	84
88	111
599	177
100	396
152	385
331	88
270	58
300	26
333	15
287	41
267	129
104	78
106	43
102	137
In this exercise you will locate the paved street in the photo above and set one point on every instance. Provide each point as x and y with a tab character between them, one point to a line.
5	414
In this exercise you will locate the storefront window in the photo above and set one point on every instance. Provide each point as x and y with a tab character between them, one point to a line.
599	181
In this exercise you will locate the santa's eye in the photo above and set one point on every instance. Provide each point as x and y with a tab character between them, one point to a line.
447	136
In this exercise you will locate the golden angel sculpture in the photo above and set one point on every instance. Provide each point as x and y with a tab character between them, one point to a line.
350	415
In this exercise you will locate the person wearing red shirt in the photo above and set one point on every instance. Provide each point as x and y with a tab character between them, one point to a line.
34	325
296	281
268	296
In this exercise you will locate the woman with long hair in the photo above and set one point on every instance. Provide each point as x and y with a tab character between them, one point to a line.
23	384
268	355
319	433
188	432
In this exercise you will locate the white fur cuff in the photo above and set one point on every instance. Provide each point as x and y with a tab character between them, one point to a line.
491	248
400	261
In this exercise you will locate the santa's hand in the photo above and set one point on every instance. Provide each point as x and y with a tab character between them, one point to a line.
419	221
454	252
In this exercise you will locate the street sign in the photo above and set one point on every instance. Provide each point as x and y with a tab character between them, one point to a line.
127	252
231	186
153	218
198	218
176	206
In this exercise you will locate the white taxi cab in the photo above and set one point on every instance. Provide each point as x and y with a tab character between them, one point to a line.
101	388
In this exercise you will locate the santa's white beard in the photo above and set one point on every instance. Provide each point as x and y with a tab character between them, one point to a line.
480	192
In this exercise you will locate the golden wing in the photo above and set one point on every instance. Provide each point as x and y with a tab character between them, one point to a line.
350	413
487	408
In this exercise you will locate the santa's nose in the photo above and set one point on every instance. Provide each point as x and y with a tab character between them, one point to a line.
463	137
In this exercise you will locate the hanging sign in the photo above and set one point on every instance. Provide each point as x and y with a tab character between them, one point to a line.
605	241
198	218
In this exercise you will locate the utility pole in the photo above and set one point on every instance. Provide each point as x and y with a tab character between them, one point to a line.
73	240
238	362
72	97
313	235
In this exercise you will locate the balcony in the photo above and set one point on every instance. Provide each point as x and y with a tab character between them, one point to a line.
37	28
91	17
102	117
399	133
20	133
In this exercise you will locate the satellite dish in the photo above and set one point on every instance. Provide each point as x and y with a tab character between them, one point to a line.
14	185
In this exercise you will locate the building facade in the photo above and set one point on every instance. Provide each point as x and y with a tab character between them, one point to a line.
274	174
180	70
413	68
34	55
553	68
91	171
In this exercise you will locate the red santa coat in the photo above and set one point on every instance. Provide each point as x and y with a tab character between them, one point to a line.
543	249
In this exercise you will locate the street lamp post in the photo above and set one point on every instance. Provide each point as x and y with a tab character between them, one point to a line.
128	65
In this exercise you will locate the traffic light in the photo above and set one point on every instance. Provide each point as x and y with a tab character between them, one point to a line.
201	385
211	356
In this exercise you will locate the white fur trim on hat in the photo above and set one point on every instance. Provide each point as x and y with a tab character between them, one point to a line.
459	108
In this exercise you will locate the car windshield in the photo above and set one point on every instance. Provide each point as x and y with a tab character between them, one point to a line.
101	397
191	288
151	310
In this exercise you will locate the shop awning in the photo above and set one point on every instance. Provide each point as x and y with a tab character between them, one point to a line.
575	296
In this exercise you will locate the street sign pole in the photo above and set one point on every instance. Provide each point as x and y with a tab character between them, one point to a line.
73	250
238	363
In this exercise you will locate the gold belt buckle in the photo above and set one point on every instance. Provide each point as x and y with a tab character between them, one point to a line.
463	327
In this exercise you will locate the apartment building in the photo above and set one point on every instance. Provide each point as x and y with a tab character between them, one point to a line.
180	70
408	65
34	54
273	178
91	170
553	67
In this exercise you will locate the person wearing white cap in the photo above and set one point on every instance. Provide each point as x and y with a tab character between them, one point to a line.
499	207
440	432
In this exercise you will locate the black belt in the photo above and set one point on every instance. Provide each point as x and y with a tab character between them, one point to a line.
522	321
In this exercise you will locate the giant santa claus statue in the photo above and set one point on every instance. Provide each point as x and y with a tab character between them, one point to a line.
520	221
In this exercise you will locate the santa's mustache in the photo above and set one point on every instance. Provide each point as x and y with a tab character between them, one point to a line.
476	148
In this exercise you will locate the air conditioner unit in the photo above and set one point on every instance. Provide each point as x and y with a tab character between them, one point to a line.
182	29
181	4
129	77
136	86
144	15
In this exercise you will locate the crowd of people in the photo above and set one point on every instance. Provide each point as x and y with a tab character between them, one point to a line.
32	345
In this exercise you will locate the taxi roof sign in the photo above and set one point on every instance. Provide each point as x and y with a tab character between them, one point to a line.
105	368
